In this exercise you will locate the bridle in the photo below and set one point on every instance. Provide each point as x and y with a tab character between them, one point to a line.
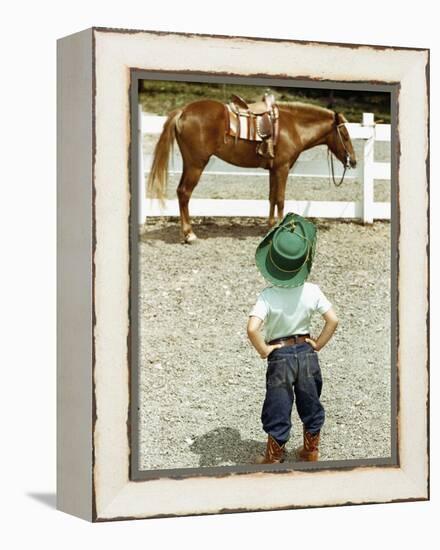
330	155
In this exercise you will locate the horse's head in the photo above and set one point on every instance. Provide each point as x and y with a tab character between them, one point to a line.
339	142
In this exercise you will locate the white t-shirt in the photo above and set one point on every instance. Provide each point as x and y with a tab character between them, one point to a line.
288	311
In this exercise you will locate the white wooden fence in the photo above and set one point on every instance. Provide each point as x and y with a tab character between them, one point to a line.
366	172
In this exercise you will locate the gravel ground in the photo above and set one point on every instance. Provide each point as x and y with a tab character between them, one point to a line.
202	384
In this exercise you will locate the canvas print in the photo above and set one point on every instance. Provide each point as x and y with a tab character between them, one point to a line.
264	276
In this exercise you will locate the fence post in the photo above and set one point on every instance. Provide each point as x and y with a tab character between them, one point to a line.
142	193
368	171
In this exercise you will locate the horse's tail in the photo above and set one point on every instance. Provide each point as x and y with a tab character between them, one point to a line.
157	179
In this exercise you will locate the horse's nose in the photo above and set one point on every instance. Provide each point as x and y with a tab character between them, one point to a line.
353	163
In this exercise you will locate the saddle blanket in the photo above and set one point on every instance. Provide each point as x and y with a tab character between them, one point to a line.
247	126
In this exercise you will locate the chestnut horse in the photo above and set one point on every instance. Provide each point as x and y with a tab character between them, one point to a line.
200	129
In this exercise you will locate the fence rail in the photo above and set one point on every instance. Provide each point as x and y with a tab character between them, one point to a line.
366	172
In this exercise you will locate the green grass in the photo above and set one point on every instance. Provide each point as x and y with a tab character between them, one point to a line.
161	97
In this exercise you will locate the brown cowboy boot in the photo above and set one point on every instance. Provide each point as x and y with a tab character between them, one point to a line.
274	453
310	451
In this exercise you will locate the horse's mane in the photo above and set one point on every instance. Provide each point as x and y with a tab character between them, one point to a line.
299	108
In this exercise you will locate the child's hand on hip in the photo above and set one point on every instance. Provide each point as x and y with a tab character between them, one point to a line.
269	349
313	343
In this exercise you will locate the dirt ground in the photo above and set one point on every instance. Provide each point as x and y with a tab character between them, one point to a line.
202	384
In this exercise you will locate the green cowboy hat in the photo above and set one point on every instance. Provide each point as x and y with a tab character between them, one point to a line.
284	256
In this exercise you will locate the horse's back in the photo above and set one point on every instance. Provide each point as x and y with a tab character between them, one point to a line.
203	108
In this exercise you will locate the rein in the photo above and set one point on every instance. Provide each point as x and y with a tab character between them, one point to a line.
332	170
330	156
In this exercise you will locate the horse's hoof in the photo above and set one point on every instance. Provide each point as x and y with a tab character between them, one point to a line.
190	238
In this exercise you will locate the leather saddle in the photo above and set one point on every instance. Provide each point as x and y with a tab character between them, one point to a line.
257	108
255	122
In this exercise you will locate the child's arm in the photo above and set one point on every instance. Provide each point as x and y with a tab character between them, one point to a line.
331	322
256	337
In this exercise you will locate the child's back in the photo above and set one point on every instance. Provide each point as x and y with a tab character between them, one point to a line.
287	311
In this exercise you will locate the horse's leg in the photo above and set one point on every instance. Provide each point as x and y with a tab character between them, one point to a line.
189	179
272	197
280	179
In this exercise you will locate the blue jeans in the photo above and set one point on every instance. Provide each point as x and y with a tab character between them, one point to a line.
293	374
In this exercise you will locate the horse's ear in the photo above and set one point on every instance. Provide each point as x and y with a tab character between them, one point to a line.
340	118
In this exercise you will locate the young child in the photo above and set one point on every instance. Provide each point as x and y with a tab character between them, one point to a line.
284	258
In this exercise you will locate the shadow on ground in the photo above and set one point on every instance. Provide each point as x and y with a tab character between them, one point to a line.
224	447
49	499
167	229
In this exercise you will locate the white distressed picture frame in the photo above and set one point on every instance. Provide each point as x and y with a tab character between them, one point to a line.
94	170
